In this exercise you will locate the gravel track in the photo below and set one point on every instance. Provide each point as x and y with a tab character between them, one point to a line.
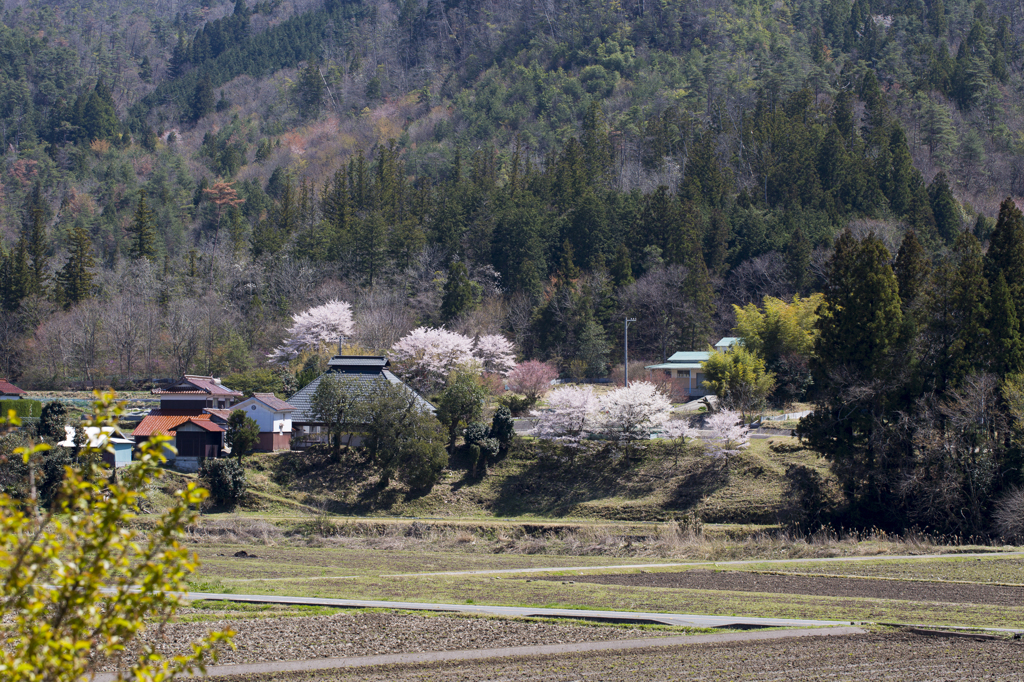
367	634
893	656
742	581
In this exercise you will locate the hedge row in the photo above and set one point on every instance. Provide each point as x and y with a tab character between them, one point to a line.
22	408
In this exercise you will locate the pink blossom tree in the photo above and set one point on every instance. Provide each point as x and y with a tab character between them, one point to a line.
570	416
632	412
314	328
532	379
495	353
728	434
426	356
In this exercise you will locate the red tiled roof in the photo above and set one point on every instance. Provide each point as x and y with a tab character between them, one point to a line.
204	424
273	402
193	384
7	388
159	421
218	414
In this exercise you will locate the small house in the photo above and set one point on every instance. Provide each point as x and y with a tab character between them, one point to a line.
100	437
197	440
358	375
9	391
274	417
685	368
195	392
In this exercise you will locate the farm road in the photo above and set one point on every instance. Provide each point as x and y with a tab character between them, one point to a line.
717	564
268	667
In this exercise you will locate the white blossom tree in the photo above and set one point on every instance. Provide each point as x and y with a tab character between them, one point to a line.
495	353
426	356
728	434
632	412
322	324
572	414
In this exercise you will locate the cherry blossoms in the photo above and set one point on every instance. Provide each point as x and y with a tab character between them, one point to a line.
320	325
571	414
632	412
728	434
495	353
532	378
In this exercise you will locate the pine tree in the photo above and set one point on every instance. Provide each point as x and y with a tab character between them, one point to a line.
622	267
37	245
597	149
1006	250
944	208
142	232
202	101
75	278
912	269
798	260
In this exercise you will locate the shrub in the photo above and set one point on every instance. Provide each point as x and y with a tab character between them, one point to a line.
22	408
52	421
224	478
517	404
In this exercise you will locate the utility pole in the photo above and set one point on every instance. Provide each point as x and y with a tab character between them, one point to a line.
625	364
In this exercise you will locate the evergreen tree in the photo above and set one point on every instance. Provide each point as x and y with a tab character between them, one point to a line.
622	267
944	208
1006	250
37	246
1007	354
75	278
202	101
911	268
142	232
798	260
597	149
309	91
17	276
459	293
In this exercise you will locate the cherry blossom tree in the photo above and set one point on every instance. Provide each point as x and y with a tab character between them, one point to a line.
426	356
728	434
572	414
495	353
323	324
632	412
532	379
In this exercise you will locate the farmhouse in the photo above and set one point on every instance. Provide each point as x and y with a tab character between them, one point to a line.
358	375
686	367
9	391
274	417
192	412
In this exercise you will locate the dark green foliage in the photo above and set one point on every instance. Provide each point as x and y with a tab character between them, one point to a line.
1007	355
22	408
911	268
402	438
141	233
944	208
74	280
243	434
340	411
459	404
1006	250
202	101
52	419
256	381
460	296
503	427
225	479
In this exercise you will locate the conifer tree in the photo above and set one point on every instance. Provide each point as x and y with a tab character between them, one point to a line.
75	278
1006	250
622	267
36	245
798	260
597	149
17	276
142	232
1007	355
944	208
911	268
459	294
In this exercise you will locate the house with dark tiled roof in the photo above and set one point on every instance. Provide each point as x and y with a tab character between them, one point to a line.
9	391
193	413
358	375
274	417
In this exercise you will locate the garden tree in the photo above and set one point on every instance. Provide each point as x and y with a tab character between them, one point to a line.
532	379
460	295
782	333
739	378
480	446
503	428
857	369
99	581
338	409
74	280
1006	250
315	328
225	479
633	412
495	353
403	438
52	421
141	232
728	436
460	404
426	357
243	434
571	415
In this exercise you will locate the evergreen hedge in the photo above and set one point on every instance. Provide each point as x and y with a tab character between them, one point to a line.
22	408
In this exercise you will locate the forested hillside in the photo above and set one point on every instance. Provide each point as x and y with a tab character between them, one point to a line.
179	179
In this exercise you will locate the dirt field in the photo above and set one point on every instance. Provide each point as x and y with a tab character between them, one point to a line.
701	579
894	656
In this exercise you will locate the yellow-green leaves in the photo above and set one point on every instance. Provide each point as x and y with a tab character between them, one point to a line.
80	584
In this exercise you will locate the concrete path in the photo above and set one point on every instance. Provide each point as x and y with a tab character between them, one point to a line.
678	619
714	564
507	652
